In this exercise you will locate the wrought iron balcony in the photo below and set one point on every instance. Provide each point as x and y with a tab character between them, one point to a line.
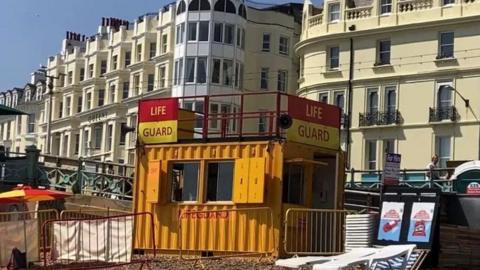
442	113
380	118
344	120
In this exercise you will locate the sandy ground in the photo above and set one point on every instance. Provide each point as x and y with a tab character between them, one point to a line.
174	262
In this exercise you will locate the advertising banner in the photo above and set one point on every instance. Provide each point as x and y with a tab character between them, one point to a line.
421	222
391	169
391	221
314	123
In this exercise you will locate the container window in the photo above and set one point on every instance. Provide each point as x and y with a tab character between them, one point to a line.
219	181
185	181
293	184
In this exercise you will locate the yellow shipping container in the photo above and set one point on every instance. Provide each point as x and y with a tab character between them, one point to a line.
230	197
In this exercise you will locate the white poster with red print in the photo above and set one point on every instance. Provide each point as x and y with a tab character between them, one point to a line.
391	221
421	222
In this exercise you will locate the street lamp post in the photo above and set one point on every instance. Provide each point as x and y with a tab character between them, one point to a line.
50	99
467	105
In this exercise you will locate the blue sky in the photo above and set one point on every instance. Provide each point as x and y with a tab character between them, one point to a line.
32	30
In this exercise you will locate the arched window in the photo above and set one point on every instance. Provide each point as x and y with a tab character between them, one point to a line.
199	5
225	6
220	6
204	5
242	11
181	7
230	7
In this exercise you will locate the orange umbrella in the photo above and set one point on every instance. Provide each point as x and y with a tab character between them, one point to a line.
28	194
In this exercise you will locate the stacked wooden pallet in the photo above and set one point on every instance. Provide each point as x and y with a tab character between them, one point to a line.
459	247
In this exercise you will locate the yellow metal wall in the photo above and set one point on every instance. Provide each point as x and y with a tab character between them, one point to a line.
152	194
257	183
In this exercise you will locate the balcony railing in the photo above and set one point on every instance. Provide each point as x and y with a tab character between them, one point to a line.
344	120
358	13
442	113
414	5
315	20
380	118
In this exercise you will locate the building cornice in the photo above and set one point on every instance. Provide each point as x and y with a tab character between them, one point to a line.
394	77
412	26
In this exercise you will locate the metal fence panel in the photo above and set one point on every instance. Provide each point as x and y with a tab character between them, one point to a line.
93	242
314	231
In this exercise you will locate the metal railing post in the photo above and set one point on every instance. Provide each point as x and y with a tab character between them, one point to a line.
352	177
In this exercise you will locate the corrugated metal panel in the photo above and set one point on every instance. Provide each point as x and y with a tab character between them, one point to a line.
242	231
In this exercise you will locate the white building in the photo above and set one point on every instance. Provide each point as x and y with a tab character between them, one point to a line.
189	48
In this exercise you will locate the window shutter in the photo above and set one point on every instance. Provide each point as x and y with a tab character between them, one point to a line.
240	181
153	181
256	185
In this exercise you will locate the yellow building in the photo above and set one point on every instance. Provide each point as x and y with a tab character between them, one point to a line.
406	72
188	48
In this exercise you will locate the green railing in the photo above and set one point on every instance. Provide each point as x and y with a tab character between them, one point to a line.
89	177
408	177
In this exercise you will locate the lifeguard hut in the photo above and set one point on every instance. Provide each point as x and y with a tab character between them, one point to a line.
263	176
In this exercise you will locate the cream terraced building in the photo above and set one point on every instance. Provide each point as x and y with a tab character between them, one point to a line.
188	48
406	73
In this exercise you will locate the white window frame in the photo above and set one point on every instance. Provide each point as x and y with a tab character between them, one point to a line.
264	78
370	164
322	95
161	76
445	3
369	108
442	157
381	52
179	33
266	44
439	85
282	81
188	61
284	47
331	58
331	18
387	4
189	31
387	90
441	46
336	94
164	43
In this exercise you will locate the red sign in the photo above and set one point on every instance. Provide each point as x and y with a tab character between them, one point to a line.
155	110
473	188
314	123
202	215
313	111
